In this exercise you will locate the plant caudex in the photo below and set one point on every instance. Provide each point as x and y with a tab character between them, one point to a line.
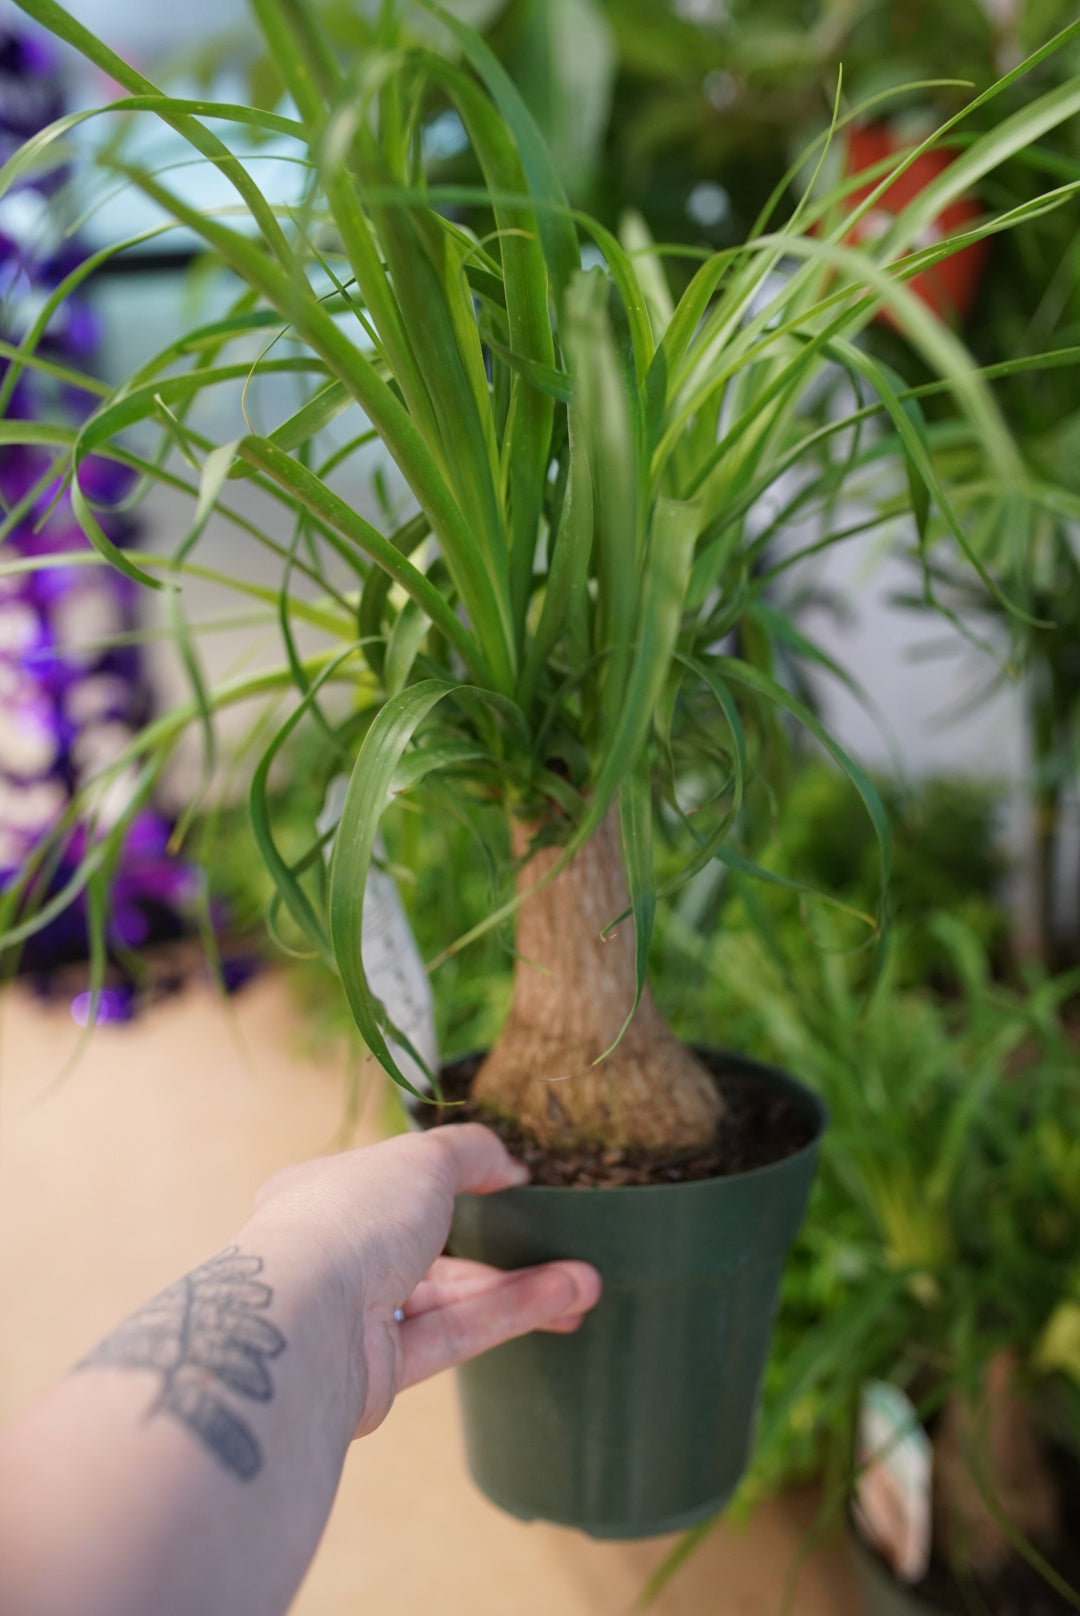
586	457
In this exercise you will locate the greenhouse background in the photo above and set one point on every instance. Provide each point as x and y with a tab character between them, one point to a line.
131	1148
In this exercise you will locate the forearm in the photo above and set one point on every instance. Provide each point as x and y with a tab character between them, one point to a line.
190	1463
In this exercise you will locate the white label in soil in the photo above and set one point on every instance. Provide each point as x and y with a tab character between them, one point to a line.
392	962
893	1491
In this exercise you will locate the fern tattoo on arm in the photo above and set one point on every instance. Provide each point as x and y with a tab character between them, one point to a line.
206	1335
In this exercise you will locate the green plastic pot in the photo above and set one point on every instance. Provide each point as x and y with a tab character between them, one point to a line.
642	1421
879	1592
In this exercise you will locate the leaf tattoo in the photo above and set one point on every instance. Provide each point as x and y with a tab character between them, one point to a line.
205	1335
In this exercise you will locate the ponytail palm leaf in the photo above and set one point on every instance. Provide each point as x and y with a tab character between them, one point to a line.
549	625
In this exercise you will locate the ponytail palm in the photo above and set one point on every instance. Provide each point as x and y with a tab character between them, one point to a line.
551	626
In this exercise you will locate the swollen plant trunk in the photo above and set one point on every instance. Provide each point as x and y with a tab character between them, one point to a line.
991	1451
573	990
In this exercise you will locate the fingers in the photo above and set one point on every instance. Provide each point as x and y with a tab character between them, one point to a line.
478	1161
451	1279
485	1312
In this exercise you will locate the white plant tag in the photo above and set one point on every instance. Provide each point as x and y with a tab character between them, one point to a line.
391	958
893	1491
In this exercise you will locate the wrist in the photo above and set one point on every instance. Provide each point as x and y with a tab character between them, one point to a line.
317	1303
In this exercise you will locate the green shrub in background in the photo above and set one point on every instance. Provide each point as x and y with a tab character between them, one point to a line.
945	858
641	101
945	1224
1048	653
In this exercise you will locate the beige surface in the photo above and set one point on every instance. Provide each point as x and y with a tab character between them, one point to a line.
145	1160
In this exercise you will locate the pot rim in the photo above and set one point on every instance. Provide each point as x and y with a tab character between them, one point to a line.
742	1065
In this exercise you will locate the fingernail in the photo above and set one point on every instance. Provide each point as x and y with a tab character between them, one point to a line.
571	1297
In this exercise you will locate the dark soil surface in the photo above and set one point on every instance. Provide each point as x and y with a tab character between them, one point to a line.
1019	1590
759	1126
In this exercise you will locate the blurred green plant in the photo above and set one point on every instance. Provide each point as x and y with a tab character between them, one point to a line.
945	1223
1047	655
946	858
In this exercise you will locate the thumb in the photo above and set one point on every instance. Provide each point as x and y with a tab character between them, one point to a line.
476	1159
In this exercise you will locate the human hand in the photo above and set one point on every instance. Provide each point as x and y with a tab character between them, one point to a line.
192	1462
379	1218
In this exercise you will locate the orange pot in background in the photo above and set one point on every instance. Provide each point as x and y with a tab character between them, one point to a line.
951	286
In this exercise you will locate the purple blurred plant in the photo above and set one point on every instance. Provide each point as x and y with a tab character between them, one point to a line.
73	687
